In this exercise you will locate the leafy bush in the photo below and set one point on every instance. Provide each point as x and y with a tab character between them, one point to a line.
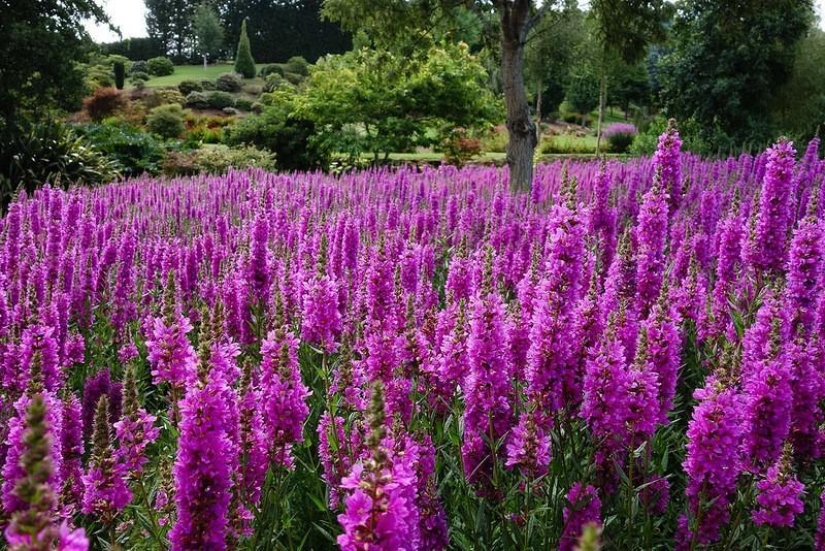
208	85
297	65
160	66
495	142
138	67
459	147
231	111
620	136
135	151
186	87
243	104
288	136
120	74
273	69
216	160
293	78
166	121
220	100
229	82
98	76
33	155
274	82
252	89
567	145
105	102
197	100
165	96
139	77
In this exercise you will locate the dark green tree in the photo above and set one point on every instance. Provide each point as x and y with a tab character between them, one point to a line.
729	62
799	109
244	64
170	23
120	74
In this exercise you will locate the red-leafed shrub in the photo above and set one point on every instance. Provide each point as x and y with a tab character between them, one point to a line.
104	102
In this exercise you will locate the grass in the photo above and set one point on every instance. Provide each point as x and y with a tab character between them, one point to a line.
197	72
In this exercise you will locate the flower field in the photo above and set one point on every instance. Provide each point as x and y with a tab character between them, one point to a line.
630	356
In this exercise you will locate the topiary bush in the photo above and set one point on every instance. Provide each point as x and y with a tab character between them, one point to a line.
139	77
229	82
186	87
104	102
160	66
244	64
197	100
166	121
297	65
220	100
274	82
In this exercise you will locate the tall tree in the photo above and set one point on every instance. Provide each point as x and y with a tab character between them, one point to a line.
729	61
159	23
208	32
170	22
244	64
40	45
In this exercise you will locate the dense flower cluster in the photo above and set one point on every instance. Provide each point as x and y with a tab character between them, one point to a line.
205	350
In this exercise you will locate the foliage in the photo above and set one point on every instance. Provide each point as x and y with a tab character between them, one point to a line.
49	153
220	100
229	82
169	23
583	93
696	139
134	48
197	100
799	108
273	69
186	87
98	76
160	66
729	62
166	121
378	102
297	65
274	81
41	46
244	64
104	102
293	78
164	96
459	147
208	85
120	74
139	66
208	31
135	151
284	132
243	104
139	77
216	160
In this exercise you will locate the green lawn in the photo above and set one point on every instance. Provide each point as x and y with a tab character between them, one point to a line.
197	72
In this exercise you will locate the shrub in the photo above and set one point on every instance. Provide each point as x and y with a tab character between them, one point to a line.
271	70
139	77
51	153
287	136
620	136
99	76
135	151
253	89
459	147
293	78
220	100
216	160
297	65
243	104
138	67
495	142
120	74
186	87
258	107
105	102
197	100
231	111
166	121
229	82
208	85
160	66
274	82
244	64
165	96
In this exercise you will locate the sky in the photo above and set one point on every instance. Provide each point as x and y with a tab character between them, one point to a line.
130	15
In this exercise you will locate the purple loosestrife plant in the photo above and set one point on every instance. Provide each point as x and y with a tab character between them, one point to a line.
779	495
583	508
668	159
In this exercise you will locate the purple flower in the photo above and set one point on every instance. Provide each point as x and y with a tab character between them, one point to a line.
171	355
650	235
804	270
321	320
668	159
779	496
583	507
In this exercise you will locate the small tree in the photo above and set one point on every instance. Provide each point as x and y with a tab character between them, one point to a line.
244	64
120	74
208	32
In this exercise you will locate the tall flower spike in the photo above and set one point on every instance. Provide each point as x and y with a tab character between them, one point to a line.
779	494
106	492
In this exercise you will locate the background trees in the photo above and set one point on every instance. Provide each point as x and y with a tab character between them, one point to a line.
208	32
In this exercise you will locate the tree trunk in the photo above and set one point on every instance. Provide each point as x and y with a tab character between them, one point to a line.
538	115
602	101
521	145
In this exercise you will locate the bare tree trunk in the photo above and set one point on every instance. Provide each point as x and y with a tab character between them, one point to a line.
515	19
602	101
538	115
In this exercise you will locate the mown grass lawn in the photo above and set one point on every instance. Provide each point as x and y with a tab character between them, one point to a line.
197	72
